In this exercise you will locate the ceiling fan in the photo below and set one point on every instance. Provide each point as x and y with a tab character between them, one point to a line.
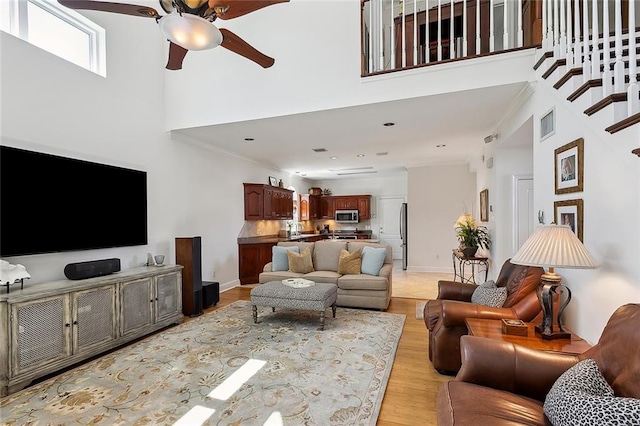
188	24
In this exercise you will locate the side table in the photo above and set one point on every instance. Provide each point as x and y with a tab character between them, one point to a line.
492	329
460	261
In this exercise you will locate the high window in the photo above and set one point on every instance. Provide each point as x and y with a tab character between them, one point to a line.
56	29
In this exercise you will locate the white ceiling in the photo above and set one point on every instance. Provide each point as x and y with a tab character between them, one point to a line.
459	121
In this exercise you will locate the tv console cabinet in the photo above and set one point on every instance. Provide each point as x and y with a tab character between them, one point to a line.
47	327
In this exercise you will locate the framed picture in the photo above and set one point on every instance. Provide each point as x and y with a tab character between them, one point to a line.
569	167
548	124
569	212
273	181
484	205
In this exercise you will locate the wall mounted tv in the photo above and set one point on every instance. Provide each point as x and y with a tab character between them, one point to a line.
54	204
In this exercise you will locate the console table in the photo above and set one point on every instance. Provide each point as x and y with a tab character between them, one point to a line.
50	326
492	329
460	262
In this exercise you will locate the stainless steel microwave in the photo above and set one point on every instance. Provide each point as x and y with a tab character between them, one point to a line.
347	216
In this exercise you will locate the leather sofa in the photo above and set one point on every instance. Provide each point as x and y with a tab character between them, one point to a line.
354	290
444	316
503	383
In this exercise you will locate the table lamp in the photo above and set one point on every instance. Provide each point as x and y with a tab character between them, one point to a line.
553	246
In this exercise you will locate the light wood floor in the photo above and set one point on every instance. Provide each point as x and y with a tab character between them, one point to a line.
413	384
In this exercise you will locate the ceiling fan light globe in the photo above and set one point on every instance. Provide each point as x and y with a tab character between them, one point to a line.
190	31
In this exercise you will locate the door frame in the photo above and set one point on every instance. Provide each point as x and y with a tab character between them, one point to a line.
516	182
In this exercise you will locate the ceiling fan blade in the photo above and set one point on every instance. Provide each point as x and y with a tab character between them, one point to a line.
125	9
234	8
176	56
237	45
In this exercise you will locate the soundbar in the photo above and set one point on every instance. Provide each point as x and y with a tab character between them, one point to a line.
91	269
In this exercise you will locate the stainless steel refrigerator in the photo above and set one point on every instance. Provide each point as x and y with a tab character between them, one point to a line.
403	234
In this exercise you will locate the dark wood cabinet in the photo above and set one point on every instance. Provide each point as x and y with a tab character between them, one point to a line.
251	260
327	207
346	203
364	206
267	202
309	207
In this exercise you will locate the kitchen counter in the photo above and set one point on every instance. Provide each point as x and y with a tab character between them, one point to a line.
364	235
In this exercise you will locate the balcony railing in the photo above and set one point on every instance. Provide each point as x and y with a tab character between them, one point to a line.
398	34
401	34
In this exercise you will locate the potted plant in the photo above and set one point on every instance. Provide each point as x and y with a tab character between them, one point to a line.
470	235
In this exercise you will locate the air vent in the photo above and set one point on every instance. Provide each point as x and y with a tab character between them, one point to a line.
381	154
355	173
351	168
320	149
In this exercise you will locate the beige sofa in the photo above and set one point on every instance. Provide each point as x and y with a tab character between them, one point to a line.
358	290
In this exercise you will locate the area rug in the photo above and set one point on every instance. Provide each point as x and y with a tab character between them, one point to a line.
420	309
304	376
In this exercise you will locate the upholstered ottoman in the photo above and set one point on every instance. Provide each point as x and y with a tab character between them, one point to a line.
275	294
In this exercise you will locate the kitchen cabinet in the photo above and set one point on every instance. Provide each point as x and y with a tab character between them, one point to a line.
364	206
50	326
346	203
327	207
252	258
309	207
267	202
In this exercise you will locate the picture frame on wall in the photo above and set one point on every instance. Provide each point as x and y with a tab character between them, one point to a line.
484	205
569	167
570	212
273	181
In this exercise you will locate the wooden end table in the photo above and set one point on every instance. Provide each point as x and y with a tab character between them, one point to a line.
492	329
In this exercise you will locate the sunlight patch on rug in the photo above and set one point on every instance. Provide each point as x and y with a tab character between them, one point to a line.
420	309
336	376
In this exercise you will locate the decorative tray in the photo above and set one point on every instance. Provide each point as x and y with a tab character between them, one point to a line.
298	282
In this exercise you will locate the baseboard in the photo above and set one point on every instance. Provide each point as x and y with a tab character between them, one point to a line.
229	285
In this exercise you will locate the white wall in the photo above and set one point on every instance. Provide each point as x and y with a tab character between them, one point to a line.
437	195
52	106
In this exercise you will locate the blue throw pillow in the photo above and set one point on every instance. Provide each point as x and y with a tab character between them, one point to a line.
372	260
279	257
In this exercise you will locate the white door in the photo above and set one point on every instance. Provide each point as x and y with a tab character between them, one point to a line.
523	214
389	222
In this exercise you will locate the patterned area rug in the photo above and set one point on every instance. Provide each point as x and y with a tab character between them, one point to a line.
331	377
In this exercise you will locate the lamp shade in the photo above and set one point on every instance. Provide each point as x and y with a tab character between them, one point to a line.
554	246
190	31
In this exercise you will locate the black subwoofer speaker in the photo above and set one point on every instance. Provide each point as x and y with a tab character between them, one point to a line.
92	268
189	255
210	293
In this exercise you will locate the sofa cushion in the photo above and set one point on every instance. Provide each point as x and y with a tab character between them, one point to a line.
355	245
582	393
300	262
363	282
327	254
323	277
462	403
279	257
350	263
373	259
488	294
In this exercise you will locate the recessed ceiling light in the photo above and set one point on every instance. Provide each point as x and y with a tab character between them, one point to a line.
333	157
248	139
360	155
441	145
389	124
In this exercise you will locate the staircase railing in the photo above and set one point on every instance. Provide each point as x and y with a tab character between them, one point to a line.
610	57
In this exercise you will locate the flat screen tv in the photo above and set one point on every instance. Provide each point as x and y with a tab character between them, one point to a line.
53	204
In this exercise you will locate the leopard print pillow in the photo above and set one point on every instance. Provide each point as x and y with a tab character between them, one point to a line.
581	396
488	294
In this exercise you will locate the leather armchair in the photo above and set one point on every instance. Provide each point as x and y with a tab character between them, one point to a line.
444	316
504	383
